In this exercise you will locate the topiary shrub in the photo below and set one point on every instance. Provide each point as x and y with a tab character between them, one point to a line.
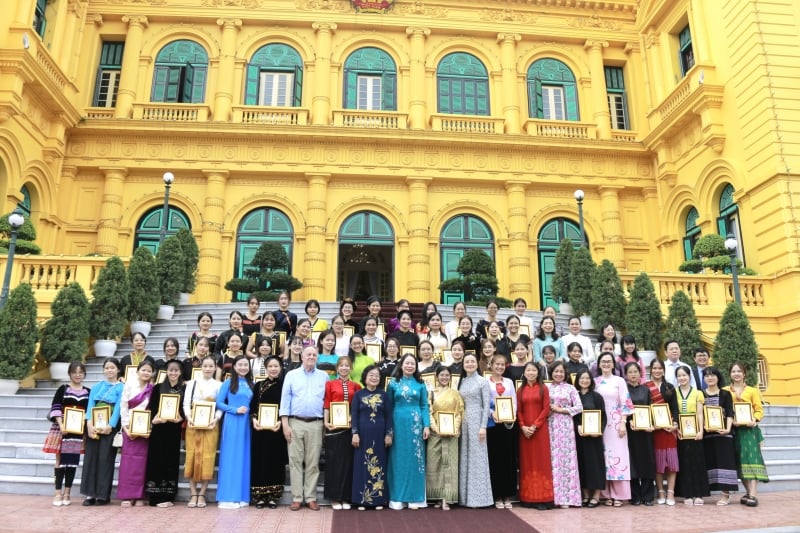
143	296
26	234
692	266
65	336
191	258
109	306
735	341
608	299
710	245
560	284
580	284
682	326
19	332
171	270
643	318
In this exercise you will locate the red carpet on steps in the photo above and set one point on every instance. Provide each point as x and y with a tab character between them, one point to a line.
457	520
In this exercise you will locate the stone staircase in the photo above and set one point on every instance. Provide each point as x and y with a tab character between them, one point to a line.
25	469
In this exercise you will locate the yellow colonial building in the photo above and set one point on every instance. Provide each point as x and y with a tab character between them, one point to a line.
379	140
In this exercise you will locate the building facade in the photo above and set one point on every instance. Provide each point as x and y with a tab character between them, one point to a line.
378	141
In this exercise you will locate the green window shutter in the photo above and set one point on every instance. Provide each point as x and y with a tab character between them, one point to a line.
188	84
97	83
199	85
571	101
389	96
251	85
160	80
174	76
722	225
297	95
482	94
350	89
687	248
443	96
539	100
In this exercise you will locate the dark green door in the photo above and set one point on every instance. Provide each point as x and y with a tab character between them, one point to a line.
550	237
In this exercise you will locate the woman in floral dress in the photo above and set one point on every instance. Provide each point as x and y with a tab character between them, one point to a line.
564	404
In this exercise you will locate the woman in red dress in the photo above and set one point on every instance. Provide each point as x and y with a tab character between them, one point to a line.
535	474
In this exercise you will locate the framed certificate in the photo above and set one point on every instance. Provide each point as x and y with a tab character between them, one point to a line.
743	413
447	423
454	381
162	375
281	338
197	374
386	382
140	423
267	415
275	346
662	417
572	377
714	418
130	374
169	407
408	349
315	336
518	383
688	426
374	351
348	331
340	414
447	357
525	329
203	414
380	332
101	417
74	420
504	409
640	420
429	379
256	379
591	423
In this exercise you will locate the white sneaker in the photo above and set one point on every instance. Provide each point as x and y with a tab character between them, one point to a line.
228	505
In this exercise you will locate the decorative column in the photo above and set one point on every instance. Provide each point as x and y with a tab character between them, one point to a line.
509	68
316	223
25	12
418	288
59	35
223	99
209	282
126	94
697	25
601	116
638	78
110	210
321	101
519	263
654	65
612	226
417	111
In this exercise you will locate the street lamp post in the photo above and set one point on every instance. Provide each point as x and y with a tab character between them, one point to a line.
579	198
169	177
731	244
15	220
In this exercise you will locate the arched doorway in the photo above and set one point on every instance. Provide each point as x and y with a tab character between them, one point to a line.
550	237
148	230
261	225
459	234
366	257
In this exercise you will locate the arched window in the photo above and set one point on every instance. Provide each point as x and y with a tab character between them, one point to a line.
370	80
180	75
261	225
148	230
692	233
274	77
459	234
462	85
366	257
728	220
552	92
550	237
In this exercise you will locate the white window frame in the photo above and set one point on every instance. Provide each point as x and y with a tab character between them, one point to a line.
616	108
275	88
109	85
553	104
369	92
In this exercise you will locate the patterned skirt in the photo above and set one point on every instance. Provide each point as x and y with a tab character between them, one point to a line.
748	450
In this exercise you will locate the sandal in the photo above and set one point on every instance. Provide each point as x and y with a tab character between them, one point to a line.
662	497
165	505
191	503
752	502
671	501
688	501
445	507
584	502
617	503
744	499
725	500
272	505
58	501
592	503
203	503
498	505
609	502
508	505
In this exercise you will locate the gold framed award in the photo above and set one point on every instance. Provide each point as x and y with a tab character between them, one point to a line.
662	417
454	381
447	356
525	329
591	423
688	426
139	425
429	379
380	332
640	420
74	420
504	409
412	350
315	336
743	413
203	414
446	421
197	374
101	417
130	374
162	375
169	407
713	418
387	381
340	415
518	383
348	331
374	351
268	415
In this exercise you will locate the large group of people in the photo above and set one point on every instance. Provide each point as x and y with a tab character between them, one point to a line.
405	414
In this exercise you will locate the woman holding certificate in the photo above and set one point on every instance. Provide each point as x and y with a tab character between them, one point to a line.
692	480
338	441
102	423
204	323
564	404
406	473
233	485
447	409
221	344
269	455
266	332
589	442
139	341
501	433
535	472
665	443
234	348
201	438
749	412
640	439
65	439
164	453
717	439
615	435
135	415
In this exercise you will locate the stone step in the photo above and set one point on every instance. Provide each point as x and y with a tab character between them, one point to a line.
770	410
25	399
781	440
780	429
779	483
22	450
779	419
32	412
12	423
779	452
30	436
781	467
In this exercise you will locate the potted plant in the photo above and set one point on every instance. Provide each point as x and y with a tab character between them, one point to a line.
580	285
643	318
559	288
735	342
171	272
191	258
19	332
268	275
143	294
608	299
682	326
109	307
65	336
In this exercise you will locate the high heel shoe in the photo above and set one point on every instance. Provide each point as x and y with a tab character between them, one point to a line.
662	497
670	499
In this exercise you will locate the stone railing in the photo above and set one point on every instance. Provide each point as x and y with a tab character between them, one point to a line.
714	289
352	118
624	136
561	129
271	116
466	124
697	76
99	112
171	112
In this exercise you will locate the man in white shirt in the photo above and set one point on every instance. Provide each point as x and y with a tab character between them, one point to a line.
574	335
673	351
